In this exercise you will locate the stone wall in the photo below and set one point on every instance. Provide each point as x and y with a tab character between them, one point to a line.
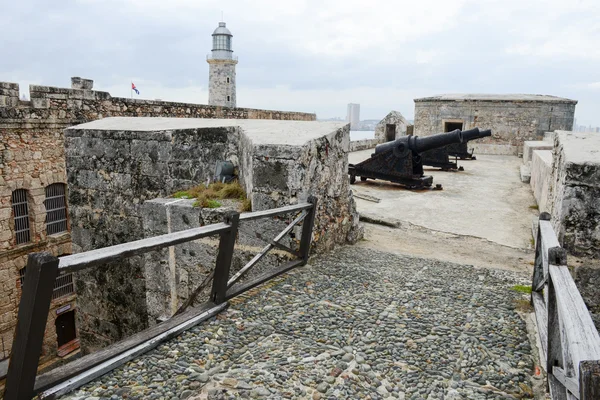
32	156
365	144
576	192
112	172
512	119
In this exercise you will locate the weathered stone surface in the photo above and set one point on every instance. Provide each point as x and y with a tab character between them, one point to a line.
117	164
513	119
173	275
576	192
541	178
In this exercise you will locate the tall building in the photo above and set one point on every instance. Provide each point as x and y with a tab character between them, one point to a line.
221	75
353	115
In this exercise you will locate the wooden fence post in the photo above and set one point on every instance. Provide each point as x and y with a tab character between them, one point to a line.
40	275
307	228
589	380
223	264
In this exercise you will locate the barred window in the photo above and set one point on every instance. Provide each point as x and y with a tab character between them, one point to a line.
56	208
63	285
21	215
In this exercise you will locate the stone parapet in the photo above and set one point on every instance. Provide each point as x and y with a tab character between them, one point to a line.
365	144
576	192
541	178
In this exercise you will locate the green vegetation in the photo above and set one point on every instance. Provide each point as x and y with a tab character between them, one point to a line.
246	205
534	207
208	196
522	289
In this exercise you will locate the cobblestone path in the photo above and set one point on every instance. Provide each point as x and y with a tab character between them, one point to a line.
355	324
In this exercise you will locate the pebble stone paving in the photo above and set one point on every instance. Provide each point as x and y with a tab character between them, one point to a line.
355	324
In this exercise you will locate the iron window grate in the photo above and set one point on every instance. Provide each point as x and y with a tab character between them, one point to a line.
63	285
21	215
56	209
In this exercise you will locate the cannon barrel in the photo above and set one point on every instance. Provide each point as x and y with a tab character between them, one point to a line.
471	134
484	133
420	144
434	141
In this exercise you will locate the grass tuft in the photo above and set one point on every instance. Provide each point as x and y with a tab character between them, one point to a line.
207	196
534	207
213	204
246	205
184	194
522	289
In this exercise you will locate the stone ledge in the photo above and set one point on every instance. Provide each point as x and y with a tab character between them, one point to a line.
532	145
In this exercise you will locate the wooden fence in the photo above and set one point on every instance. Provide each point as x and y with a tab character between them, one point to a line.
569	340
42	269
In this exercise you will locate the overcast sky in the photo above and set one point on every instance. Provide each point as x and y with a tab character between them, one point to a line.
312	55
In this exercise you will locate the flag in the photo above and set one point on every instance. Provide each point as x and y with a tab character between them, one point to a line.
134	88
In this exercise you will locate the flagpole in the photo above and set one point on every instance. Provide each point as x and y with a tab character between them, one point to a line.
131	89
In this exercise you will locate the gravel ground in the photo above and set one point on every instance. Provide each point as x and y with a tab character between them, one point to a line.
355	324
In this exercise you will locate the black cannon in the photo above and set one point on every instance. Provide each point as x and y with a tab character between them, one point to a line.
460	150
399	161
439	156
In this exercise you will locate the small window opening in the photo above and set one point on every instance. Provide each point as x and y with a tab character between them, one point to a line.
451	126
227	79
228	98
56	209
21	215
63	285
390	132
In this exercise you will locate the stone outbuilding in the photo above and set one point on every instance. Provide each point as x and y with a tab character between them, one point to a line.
513	118
116	167
393	126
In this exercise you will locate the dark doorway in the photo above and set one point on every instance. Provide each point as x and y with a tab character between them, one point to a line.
390	132
65	328
450	126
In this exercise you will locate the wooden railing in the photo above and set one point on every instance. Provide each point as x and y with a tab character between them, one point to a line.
570	344
42	269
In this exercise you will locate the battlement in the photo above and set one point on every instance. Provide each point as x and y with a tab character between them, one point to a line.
80	103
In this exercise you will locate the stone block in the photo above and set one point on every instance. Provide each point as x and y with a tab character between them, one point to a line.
541	178
525	171
530	146
9	85
40	103
81	83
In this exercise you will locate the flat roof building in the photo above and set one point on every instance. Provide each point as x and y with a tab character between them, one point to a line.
513	118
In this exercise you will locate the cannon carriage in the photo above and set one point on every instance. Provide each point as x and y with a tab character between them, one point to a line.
439	157
461	150
400	161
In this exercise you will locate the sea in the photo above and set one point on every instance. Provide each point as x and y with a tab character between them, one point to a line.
360	135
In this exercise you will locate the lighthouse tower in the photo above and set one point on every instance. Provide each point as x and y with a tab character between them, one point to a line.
221	71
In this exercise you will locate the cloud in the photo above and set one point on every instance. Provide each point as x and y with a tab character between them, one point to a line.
308	54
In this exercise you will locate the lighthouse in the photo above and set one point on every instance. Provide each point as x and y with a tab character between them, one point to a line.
221	69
